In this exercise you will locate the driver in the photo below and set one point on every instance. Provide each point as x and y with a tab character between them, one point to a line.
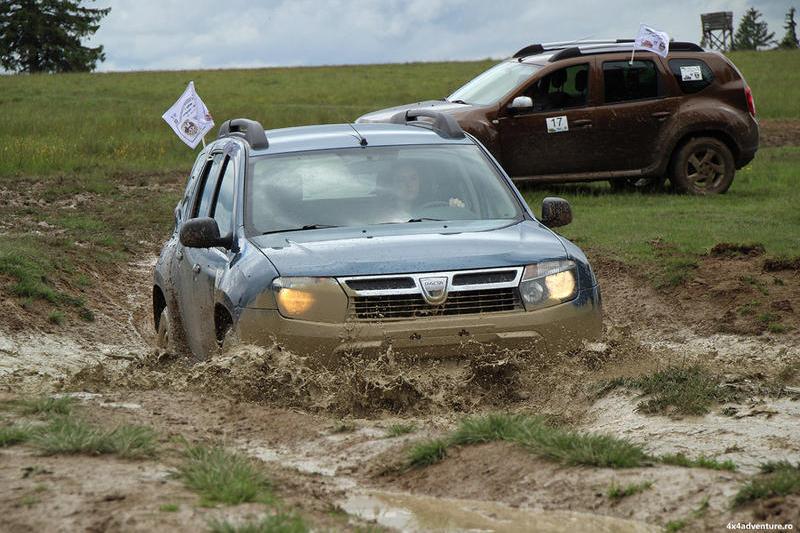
407	190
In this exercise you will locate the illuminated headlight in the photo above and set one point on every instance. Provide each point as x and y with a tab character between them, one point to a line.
317	299
548	283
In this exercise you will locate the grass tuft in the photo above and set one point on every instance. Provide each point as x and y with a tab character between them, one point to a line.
678	390
44	405
427	453
10	435
67	435
222	476
169	508
679	459
777	479
618	492
277	523
398	430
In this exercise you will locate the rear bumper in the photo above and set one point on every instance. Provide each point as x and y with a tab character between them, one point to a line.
548	330
749	144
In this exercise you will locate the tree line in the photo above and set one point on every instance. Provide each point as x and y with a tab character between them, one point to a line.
753	33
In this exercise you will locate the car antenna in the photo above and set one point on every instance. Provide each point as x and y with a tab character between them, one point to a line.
361	139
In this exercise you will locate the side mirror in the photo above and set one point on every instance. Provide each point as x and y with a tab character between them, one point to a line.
521	104
203	233
556	212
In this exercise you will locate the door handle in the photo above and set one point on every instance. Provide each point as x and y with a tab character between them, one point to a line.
661	115
179	254
582	123
196	268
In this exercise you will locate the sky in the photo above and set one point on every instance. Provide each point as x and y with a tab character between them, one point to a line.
200	34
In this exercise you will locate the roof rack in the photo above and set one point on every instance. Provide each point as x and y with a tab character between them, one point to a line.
576	51
443	124
249	130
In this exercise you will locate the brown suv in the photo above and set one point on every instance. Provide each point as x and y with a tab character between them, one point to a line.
564	112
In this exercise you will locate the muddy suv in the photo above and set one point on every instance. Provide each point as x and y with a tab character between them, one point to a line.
352	238
560	112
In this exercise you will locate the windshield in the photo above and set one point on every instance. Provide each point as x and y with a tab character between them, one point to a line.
489	87
357	187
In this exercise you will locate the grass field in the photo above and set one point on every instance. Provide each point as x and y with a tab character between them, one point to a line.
102	134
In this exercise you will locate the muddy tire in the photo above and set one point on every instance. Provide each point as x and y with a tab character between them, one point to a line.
637	184
702	166
169	337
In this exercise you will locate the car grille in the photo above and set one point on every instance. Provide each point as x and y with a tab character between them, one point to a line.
397	306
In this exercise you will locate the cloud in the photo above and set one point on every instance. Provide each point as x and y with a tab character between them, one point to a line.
171	34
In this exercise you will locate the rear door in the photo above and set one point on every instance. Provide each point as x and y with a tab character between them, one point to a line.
637	104
555	136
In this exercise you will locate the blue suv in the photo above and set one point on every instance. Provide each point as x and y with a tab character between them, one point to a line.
361	237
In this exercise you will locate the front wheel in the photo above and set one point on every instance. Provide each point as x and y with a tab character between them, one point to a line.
702	166
168	334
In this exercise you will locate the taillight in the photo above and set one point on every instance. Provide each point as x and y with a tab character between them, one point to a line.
751	104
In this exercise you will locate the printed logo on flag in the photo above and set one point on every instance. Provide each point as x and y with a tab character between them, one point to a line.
652	40
189	117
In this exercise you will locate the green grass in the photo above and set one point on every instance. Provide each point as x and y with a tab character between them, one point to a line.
43	405
400	429
16	434
223	476
66	435
535	435
690	390
618	492
776	89
276	523
702	461
169	508
776	479
427	452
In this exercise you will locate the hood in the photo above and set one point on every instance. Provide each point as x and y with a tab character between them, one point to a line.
383	115
405	248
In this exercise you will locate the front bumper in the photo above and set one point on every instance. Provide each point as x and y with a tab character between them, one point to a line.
549	330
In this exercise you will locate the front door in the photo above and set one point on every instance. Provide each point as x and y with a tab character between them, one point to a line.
200	267
556	135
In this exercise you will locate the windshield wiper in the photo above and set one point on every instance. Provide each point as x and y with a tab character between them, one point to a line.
425	219
306	227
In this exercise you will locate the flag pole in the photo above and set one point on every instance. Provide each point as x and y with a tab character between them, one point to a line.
204	141
633	51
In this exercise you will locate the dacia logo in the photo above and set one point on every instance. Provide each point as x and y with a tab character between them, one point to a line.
434	290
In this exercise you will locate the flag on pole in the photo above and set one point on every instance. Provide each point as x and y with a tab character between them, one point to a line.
189	117
653	40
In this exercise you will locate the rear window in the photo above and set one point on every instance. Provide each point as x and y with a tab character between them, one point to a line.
692	75
626	81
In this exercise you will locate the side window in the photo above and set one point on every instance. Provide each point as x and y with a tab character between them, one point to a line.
223	206
692	75
568	87
624	81
205	193
197	169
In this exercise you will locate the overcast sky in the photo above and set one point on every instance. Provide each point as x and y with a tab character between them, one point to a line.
194	34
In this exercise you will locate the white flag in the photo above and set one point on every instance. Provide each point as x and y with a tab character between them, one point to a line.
653	40
189	117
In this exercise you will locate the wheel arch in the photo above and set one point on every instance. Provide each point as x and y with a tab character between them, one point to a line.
159	304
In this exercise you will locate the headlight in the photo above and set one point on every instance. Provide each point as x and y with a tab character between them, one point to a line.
317	299
548	283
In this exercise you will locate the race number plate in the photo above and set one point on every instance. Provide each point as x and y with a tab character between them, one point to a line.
557	124
691	73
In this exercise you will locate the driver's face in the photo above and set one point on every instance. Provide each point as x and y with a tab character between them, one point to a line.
408	184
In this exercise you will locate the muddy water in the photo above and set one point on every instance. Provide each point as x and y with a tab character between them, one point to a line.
410	512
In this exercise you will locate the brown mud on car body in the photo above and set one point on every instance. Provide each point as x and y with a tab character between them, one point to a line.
581	112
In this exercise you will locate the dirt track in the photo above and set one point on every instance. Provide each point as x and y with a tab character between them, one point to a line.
322	433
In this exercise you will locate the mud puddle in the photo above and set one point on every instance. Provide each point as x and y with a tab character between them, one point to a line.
411	512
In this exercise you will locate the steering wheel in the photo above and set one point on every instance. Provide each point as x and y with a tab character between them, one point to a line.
437	203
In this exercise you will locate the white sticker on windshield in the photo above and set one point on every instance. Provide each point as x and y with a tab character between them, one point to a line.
557	124
691	73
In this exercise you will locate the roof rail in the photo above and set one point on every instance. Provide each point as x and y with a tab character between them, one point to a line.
535	49
443	124
581	50
249	130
